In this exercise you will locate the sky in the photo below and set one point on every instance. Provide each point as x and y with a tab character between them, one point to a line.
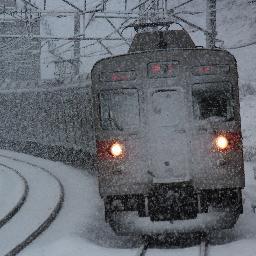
235	25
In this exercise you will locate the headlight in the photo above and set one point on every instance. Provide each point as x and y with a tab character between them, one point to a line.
221	142
117	150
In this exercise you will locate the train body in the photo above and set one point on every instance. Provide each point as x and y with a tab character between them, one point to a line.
168	137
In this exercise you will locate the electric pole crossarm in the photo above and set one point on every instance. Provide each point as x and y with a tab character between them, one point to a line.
105	47
134	17
72	5
74	38
29	3
180	5
139	5
117	31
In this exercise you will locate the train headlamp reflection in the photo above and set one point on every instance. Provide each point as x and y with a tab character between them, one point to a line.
117	149
221	142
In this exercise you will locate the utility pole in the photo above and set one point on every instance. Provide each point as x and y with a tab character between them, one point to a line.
211	24
103	5
76	44
141	11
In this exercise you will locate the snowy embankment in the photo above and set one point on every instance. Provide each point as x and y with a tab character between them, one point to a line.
34	212
83	231
248	116
80	228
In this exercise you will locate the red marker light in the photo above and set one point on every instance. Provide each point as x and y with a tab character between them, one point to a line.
204	70
170	67
155	68
119	77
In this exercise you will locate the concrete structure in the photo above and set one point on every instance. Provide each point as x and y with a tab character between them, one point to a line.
19	57
8	3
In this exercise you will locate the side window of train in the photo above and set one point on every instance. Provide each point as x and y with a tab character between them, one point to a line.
213	101
119	109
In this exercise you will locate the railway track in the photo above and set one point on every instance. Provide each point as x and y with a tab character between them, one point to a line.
203	248
41	227
21	200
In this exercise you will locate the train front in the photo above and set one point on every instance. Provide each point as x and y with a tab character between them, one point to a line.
168	135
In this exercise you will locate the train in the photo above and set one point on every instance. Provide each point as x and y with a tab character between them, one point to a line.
168	136
160	127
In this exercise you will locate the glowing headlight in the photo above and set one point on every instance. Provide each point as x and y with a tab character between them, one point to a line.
117	149
221	142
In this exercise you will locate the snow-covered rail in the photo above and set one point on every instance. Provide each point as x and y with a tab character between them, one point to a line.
203	250
22	198
49	191
142	250
204	247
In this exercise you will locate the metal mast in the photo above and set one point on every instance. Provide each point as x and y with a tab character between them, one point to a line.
77	43
211	24
145	15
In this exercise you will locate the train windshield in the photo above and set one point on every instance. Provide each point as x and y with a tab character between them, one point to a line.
119	109
213	101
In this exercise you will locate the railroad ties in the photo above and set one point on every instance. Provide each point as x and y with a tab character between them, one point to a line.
203	247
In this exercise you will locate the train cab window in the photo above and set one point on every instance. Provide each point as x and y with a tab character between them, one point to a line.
168	108
213	101
119	109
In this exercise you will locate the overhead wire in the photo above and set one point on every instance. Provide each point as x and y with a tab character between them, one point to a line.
241	46
149	7
182	4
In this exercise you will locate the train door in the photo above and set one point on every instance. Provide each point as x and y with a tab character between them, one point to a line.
168	136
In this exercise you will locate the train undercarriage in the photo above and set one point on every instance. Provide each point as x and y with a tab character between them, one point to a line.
169	208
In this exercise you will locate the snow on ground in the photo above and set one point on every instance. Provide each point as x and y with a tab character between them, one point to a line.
80	228
37	207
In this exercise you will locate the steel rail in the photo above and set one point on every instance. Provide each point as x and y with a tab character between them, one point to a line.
49	220
203	249
142	250
20	202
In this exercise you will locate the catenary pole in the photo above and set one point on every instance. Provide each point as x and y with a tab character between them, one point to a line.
211	23
76	44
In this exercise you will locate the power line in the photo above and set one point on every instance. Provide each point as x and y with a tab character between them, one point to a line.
72	5
180	5
71	38
241	46
30	4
